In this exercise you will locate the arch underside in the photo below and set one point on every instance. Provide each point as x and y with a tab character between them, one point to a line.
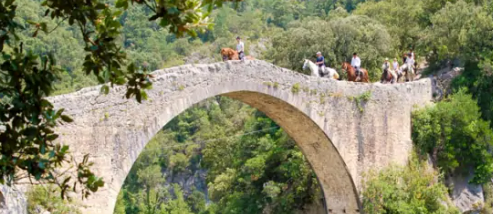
336	182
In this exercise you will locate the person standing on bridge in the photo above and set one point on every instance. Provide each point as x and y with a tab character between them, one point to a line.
240	47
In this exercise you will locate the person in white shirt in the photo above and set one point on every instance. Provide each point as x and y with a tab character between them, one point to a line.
413	56
240	47
356	63
395	67
410	64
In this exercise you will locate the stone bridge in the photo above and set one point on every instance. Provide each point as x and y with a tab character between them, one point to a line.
341	133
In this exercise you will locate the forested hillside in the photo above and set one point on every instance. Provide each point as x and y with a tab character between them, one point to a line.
238	160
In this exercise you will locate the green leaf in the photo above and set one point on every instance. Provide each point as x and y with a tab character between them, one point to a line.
67	119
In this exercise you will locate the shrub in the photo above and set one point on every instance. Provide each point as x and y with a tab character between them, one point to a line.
456	136
405	190
47	198
296	88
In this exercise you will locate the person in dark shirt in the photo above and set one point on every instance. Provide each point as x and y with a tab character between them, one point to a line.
321	63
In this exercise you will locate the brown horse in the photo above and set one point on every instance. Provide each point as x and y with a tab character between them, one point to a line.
388	76
230	54
351	73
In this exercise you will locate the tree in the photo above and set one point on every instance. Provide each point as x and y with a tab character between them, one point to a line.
454	134
460	30
26	79
401	18
337	39
478	79
409	189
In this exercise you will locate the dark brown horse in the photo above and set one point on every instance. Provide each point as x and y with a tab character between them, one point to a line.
351	73
387	76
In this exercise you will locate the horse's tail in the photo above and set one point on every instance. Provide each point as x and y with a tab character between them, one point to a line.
336	75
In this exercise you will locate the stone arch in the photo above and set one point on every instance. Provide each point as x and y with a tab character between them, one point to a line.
335	180
115	130
339	191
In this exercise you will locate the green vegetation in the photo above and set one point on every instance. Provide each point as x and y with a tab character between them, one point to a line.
47	198
89	42
114	42
478	79
409	189
295	89
268	84
456	136
360	99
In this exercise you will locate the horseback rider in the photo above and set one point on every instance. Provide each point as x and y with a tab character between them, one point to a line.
411	52
410	63
395	66
356	64
240	47
413	56
386	70
321	63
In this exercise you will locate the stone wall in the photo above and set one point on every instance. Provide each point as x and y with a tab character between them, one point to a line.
341	134
12	201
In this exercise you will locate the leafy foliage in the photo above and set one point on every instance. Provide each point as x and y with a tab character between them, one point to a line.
478	79
48	198
27	78
459	31
409	189
400	17
456	136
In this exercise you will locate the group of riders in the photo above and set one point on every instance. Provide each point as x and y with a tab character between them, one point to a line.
391	72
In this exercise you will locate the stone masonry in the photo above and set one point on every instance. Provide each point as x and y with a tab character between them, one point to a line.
341	134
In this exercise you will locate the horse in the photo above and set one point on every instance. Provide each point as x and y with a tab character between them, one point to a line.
230	54
388	75
352	73
408	74
330	72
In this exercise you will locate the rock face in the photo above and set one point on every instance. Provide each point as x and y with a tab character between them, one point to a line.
467	197
342	128
442	81
12	201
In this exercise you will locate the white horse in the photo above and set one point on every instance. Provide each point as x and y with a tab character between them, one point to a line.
409	73
330	72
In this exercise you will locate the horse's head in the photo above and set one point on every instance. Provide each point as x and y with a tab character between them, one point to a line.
305	64
345	66
224	54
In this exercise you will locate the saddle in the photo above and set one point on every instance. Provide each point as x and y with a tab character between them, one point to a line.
358	72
